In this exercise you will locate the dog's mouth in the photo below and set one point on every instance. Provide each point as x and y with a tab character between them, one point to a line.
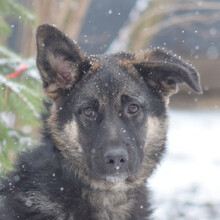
113	177
116	178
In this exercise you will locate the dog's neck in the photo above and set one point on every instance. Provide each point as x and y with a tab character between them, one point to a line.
109	204
107	200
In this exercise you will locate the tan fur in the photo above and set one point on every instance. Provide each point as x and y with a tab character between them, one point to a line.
51	91
170	89
71	134
156	129
95	65
51	121
155	137
118	203
128	65
141	56
67	142
124	62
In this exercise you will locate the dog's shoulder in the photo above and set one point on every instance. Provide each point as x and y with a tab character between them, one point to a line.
39	185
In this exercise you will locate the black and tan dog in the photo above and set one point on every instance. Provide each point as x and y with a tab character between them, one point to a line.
104	134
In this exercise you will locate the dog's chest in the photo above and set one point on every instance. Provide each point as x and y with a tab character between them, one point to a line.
108	205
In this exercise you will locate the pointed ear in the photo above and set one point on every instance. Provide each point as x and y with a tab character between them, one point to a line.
163	71
59	60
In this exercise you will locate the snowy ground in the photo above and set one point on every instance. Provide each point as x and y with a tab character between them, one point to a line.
187	184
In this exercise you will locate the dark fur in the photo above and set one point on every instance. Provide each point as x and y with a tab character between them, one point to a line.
69	176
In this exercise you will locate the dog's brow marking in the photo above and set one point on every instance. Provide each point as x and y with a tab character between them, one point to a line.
95	65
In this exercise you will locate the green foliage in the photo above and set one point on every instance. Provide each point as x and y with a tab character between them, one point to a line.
20	96
11	141
20	104
16	10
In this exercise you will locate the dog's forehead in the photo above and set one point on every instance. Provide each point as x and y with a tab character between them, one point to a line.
111	81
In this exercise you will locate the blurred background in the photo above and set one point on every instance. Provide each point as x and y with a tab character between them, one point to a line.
187	184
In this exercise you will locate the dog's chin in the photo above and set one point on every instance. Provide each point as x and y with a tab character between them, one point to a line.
115	178
111	177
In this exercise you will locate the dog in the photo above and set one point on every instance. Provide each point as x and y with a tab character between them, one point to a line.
103	136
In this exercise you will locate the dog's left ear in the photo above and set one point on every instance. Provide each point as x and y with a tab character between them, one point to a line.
163	71
59	60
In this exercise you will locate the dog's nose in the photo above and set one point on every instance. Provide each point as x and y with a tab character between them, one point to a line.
116	158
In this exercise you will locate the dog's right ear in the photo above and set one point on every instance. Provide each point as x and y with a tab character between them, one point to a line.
59	60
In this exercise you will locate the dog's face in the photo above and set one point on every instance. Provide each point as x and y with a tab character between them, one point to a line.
108	117
110	108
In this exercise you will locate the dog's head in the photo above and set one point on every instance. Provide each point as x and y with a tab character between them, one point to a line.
108	117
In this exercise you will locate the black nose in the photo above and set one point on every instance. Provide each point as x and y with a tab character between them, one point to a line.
116	158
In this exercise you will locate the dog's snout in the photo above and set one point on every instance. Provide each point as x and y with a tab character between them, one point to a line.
116	158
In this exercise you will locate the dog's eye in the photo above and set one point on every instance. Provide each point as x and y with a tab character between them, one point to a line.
133	108
88	112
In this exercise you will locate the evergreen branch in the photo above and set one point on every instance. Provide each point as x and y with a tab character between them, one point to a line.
15	59
22	87
21	11
5	30
32	70
8	53
4	7
16	90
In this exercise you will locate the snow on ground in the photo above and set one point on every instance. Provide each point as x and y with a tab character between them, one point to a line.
187	184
